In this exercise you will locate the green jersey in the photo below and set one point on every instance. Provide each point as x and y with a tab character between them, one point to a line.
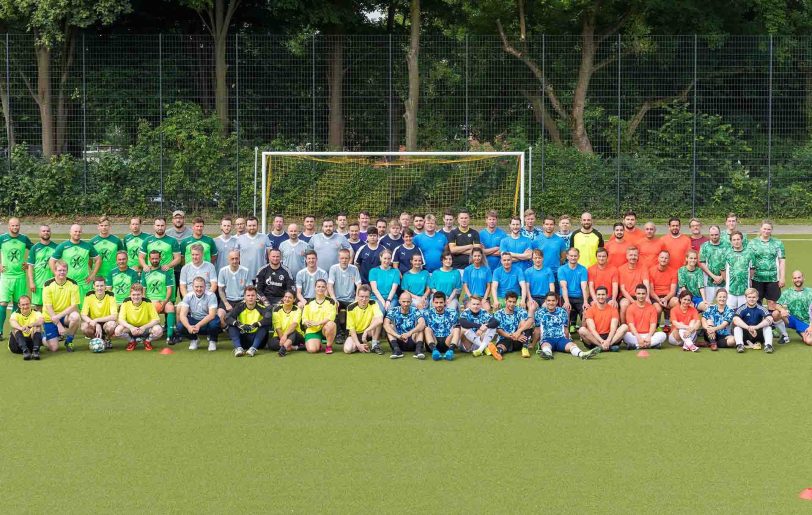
107	247
166	245
714	258
797	302
767	254
12	250
738	265
691	280
156	282
132	244
39	257
77	256
209	248
120	282
726	240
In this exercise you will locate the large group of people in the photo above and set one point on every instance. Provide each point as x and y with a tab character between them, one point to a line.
403	285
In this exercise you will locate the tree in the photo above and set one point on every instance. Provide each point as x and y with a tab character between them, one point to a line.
55	24
414	77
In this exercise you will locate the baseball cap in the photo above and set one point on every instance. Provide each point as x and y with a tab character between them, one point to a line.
178	212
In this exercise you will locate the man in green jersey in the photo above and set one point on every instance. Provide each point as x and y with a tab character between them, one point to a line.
770	264
132	243
78	254
39	268
13	283
739	263
167	247
159	288
793	310
106	245
712	261
731	226
121	277
209	247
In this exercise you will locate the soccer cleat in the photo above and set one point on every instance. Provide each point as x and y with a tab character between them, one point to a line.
35	355
497	354
546	354
614	348
631	346
768	348
26	354
212	345
282	351
449	355
420	356
396	354
173	340
714	347
131	345
328	350
108	344
377	350
147	345
784	339
525	352
740	348
251	352
69	346
193	344
435	355
655	345
477	353
488	351
594	351
491	350
239	352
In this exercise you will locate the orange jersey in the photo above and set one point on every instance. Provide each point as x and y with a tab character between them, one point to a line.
661	281
602	317
631	278
641	318
677	248
684	318
604	277
617	251
634	237
649	250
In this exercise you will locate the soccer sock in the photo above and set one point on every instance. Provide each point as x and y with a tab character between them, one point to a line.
782	328
431	346
170	324
667	320
69	339
575	351
2	317
453	346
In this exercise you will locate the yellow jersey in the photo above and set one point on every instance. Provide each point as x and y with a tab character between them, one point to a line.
29	320
59	296
139	315
358	318
318	311
282	319
95	307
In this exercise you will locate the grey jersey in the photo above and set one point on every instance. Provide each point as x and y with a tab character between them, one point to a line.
233	283
199	306
293	256
179	235
253	252
344	281
190	271
327	248
223	248
307	281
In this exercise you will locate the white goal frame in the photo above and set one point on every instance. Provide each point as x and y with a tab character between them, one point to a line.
266	154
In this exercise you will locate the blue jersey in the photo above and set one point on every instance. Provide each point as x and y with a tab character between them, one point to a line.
404	323
552	247
531	234
390	243
384	279
403	257
509	322
754	315
356	246
490	240
716	318
552	323
574	277
508	281
445	281
275	240
481	318
366	259
432	248
477	279
517	246
539	281
415	283
441	324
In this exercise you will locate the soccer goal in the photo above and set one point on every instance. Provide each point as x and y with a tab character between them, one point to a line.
296	184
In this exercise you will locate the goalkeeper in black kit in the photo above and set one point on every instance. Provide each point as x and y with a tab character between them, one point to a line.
273	280
248	324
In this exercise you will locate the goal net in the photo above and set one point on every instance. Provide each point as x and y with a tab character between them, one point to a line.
296	184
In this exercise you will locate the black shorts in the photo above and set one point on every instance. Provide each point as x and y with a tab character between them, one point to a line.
769	290
296	338
514	345
409	345
577	308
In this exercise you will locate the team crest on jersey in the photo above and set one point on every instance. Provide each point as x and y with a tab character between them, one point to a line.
14	255
76	262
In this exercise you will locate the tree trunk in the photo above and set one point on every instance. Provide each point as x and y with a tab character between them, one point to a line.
414	78
580	138
61	99
335	84
44	100
4	98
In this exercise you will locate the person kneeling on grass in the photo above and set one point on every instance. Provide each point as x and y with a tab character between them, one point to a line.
553	331
404	325
442	333
641	317
287	332
602	325
26	330
248	323
318	318
752	324
197	314
478	327
363	317
138	320
99	313
717	321
685	322
60	312
515	328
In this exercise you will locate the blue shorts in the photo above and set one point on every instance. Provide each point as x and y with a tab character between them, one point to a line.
50	329
697	301
799	325
558	344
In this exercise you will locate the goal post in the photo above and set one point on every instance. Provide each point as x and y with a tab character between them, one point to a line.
295	184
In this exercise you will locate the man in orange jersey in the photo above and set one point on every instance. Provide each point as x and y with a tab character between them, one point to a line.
617	245
602	325
663	286
601	274
632	233
629	276
650	246
641	317
676	243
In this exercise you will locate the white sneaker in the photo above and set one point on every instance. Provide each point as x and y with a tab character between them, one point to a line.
238	352
251	352
212	346
193	345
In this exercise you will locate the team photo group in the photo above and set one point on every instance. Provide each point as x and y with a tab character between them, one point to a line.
426	285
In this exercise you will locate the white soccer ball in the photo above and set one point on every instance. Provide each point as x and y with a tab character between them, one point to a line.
96	345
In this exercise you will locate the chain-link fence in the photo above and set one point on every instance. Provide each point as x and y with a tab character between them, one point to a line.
664	125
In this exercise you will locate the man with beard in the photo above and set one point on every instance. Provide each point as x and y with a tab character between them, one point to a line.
587	240
39	269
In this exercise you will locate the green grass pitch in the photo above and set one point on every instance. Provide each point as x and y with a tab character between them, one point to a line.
204	432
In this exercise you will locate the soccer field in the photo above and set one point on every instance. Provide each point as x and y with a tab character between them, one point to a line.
204	432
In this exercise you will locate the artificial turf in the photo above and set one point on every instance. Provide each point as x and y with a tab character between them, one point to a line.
200	431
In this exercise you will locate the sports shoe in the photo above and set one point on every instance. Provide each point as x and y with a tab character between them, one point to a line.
740	348
147	345
497	354
632	346
328	350
26	354
396	354
614	348
193	344
377	350
131	345
212	345
594	351
784	339
768	348
35	355
655	345
251	352
282	352
419	355
692	348
525	352
69	346
546	354
108	344
488	351
714	347
239	352
449	355
435	355
757	346
476	353
173	340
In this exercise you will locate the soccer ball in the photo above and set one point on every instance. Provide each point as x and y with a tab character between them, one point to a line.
96	345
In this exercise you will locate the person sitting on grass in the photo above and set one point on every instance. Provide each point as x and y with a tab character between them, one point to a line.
138	320
247	324
752	324
197	314
478	327
364	323
404	326
602	325
685	319
318	319
26	330
514	330
442	333
553	331
717	322
287	334
641	319
99	313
